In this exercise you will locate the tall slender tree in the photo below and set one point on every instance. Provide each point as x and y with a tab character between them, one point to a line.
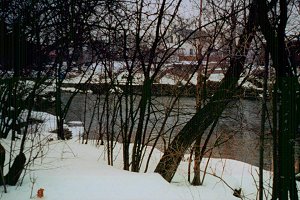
273	18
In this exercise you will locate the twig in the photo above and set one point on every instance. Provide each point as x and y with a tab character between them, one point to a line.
33	181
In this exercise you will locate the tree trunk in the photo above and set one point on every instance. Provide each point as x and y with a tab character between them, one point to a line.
262	126
197	146
2	157
59	110
286	87
211	111
2	160
200	154
137	146
15	170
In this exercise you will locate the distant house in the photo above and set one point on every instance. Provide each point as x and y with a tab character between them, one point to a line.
185	59
187	49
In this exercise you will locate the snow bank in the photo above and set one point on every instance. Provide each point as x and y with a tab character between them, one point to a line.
73	171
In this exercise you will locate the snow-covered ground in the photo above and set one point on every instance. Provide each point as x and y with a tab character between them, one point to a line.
70	170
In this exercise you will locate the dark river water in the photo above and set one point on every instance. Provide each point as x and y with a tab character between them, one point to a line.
237	131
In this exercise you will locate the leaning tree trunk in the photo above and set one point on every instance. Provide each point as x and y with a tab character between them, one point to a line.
15	170
212	110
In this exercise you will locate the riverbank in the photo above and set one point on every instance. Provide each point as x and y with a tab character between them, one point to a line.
69	170
162	89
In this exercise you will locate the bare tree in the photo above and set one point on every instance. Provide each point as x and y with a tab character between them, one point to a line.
144	52
31	30
213	109
20	34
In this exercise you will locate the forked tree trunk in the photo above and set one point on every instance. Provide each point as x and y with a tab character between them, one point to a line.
138	145
203	118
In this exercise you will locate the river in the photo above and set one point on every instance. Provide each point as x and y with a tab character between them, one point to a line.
239	124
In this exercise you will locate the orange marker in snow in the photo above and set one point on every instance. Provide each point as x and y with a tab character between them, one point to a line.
40	193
